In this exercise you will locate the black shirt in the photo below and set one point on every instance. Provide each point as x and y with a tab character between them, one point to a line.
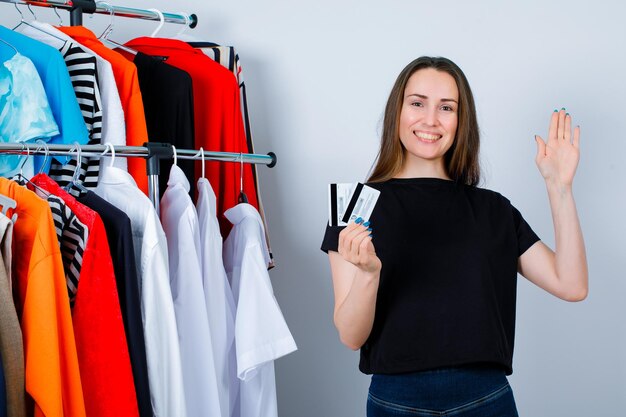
167	95
120	238
448	282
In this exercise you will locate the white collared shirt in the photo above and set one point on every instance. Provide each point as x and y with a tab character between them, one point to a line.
261	333
180	223
218	297
157	308
113	126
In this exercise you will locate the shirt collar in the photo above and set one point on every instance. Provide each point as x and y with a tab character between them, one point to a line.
177	176
205	189
114	175
163	43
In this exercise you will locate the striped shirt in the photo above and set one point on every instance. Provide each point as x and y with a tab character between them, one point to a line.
84	75
72	235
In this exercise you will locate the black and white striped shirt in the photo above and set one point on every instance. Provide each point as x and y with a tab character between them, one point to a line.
72	235
84	75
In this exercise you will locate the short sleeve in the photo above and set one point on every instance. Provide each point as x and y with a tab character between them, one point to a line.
331	238
526	237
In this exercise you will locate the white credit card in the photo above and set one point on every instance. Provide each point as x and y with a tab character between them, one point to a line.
361	203
349	201
338	199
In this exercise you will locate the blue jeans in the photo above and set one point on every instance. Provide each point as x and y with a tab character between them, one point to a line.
459	391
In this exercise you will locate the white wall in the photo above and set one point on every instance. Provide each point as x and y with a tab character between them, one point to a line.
318	74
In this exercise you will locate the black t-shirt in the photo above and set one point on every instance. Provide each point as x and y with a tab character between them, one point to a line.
447	286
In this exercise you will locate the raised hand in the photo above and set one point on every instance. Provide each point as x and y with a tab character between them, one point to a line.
558	158
355	246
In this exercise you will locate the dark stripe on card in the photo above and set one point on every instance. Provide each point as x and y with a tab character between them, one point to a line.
353	200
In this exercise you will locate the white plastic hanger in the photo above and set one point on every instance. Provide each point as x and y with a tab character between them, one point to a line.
161	22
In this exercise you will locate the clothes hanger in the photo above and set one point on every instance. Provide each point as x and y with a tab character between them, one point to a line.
22	179
201	153
243	198
24	22
109	149
175	155
79	159
8	203
9	45
161	22
104	37
185	26
56	12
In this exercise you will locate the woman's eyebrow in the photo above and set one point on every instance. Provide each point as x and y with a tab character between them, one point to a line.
426	97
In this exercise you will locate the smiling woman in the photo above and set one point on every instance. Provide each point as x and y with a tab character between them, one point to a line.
429	296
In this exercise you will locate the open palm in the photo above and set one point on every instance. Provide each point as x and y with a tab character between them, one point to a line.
558	158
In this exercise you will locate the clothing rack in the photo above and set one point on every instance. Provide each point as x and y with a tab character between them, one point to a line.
78	7
153	152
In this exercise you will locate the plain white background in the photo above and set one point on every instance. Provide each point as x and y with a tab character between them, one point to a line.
318	74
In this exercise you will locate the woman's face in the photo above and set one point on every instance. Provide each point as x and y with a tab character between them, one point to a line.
429	115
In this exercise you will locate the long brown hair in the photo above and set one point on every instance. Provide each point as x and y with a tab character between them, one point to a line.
461	160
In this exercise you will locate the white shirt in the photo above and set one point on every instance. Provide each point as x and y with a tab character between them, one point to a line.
157	308
113	127
218	296
261	334
180	222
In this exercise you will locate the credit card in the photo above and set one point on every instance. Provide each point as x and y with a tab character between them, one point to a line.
361	204
338	199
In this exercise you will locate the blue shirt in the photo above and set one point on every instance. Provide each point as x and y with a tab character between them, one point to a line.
56	81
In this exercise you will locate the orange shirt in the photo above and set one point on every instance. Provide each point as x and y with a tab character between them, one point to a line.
125	74
51	363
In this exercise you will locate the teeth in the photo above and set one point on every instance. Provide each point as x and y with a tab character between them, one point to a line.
426	136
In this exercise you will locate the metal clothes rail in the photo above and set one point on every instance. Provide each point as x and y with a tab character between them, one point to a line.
151	151
78	7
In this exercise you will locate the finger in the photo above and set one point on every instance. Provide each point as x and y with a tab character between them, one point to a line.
554	120
561	125
567	134
541	147
576	137
356	243
364	248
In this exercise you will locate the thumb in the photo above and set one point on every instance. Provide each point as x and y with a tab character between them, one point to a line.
541	147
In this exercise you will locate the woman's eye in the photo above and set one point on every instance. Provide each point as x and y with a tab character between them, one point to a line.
447	108
416	104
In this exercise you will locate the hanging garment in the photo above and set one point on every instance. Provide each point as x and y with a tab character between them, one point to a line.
128	86
113	125
83	72
72	235
51	363
13	402
218	296
261	334
120	237
227	57
157	308
25	113
180	223
217	117
169	110
58	86
105	369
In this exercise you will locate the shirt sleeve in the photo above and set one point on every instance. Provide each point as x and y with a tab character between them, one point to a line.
331	238
526	237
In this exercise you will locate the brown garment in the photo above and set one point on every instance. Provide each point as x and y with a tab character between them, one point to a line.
11	346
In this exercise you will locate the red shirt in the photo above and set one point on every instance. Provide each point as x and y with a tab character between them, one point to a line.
103	359
217	118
